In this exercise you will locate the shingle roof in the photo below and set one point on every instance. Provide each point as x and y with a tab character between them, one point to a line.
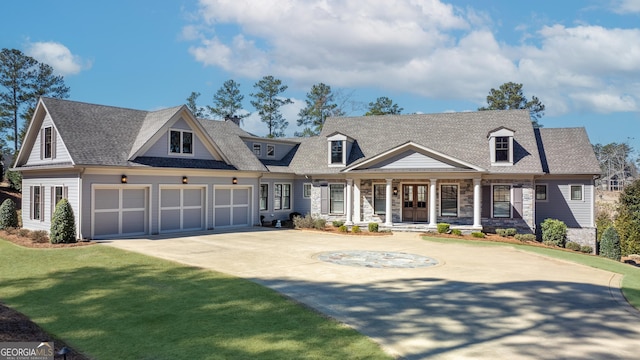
459	135
567	151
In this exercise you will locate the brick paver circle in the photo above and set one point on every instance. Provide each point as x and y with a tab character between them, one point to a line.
377	259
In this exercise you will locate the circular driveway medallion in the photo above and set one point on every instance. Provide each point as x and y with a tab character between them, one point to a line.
377	259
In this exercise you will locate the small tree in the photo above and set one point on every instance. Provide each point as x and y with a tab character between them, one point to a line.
628	221
610	244
8	214
63	227
554	232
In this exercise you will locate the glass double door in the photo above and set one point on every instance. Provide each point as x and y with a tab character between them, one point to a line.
414	203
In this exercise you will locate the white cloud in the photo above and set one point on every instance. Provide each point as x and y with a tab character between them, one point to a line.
58	56
626	6
424	47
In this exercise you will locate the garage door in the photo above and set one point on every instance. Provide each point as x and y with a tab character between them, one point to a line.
182	209
232	206
121	211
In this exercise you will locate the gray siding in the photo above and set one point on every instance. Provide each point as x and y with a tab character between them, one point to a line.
574	213
70	181
280	149
61	153
282	214
411	160
161	147
301	204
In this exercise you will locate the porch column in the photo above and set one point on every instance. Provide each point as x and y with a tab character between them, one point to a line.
348	201
388	217
432	202
477	203
356	200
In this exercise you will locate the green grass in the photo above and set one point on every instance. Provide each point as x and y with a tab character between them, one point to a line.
630	282
112	304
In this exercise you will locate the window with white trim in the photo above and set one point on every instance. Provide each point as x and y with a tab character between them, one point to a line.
336	198
501	201
576	192
541	192
48	142
448	200
271	150
306	190
264	196
379	198
502	149
37	203
281	196
336	152
257	149
180	142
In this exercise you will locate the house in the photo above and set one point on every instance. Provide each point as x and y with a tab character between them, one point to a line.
131	172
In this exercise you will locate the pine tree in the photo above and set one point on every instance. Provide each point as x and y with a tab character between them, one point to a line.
268	102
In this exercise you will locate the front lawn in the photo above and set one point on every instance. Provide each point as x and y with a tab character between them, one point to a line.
630	282
112	304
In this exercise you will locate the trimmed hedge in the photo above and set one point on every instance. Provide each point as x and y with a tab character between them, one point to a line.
554	232
477	234
355	229
443	228
572	246
457	232
373	227
8	214
63	225
610	244
525	237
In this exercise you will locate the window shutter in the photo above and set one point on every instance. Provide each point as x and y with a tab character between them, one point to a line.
31	202
53	201
41	144
53	142
41	203
486	201
517	203
324	200
65	192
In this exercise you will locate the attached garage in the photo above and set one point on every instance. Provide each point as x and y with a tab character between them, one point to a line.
232	206
182	208
119	211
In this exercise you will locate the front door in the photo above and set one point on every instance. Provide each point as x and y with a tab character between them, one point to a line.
414	204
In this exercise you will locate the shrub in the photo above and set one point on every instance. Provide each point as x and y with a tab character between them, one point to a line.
337	223
15	180
39	236
63	225
572	246
443	228
603	221
511	232
319	224
586	249
610	244
477	234
356	229
373	227
292	215
457	232
501	232
8	214
628	221
525	237
24	232
305	222
343	228
554	232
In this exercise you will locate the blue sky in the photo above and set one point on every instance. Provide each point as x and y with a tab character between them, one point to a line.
581	58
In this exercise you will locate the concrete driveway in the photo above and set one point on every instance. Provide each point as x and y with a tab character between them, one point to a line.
479	302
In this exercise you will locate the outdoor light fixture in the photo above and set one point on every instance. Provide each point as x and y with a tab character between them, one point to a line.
123	179
65	350
234	181
395	191
185	180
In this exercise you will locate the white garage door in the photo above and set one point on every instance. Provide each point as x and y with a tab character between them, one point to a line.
232	206
182	209
119	211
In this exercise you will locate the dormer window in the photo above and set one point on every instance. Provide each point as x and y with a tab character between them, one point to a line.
181	142
501	146
336	152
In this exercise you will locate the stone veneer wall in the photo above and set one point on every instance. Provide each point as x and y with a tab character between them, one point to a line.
527	223
583	236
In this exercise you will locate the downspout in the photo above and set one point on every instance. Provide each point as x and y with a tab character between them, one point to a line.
79	226
258	202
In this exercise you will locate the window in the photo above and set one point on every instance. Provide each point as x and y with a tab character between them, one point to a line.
336	152
380	198
257	149
48	143
264	196
541	192
576	192
336	198
306	190
281	196
501	201
180	142
502	148
37	203
271	150
449	200
57	193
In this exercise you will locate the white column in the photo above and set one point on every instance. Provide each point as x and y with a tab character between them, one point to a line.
388	217
432	202
477	202
348	201
356	200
